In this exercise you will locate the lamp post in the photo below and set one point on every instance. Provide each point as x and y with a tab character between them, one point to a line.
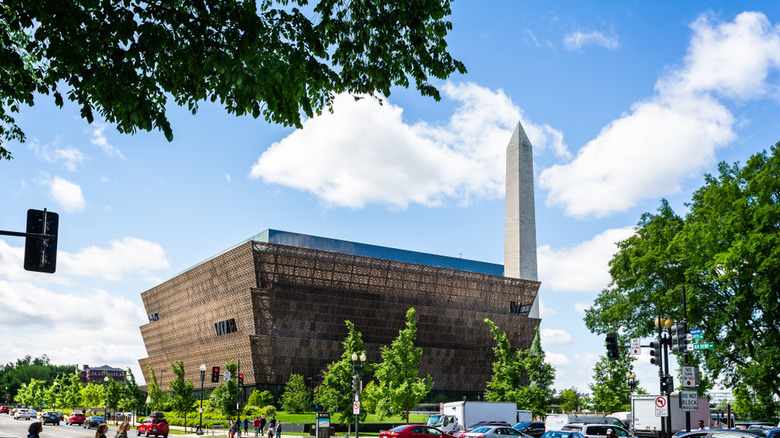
54	400
202	379
631	380
357	368
105	411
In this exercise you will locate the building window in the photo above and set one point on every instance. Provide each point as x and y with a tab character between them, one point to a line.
154	317
225	327
519	308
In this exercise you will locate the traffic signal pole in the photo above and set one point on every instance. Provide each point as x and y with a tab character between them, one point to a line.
685	354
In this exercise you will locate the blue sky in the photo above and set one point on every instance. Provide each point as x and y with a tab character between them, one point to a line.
624	102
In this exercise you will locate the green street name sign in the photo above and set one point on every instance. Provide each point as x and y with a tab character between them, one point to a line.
697	336
703	346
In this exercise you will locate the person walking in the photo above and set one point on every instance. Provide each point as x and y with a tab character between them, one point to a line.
232	429
121	431
278	429
246	425
262	424
34	430
272	424
101	431
256	426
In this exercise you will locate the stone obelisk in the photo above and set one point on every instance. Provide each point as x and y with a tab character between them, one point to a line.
520	216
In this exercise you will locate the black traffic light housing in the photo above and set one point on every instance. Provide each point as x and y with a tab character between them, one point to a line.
655	353
240	380
667	384
613	352
214	374
679	340
40	253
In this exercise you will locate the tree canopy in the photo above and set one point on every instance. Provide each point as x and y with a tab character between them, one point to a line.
726	253
272	58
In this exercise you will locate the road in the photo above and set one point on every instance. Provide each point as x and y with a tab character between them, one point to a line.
10	428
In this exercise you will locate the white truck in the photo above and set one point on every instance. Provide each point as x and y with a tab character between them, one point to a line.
457	416
646	423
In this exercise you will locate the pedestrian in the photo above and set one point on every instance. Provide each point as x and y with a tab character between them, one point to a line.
270	433
262	424
34	430
611	434
246	425
272	423
702	426
256	426
121	431
278	429
101	430
232	429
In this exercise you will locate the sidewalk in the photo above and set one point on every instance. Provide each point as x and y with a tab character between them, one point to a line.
221	433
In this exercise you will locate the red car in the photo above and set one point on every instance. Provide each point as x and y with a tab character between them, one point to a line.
4	410
75	418
414	431
153	426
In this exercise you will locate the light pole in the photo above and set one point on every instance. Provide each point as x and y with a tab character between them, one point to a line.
357	368
202	379
54	399
105	412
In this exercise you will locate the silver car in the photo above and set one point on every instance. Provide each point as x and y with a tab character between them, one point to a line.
25	414
495	432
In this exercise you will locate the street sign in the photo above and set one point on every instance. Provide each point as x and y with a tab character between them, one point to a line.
226	376
660	406
697	336
356	407
689	401
703	346
689	376
636	346
695	332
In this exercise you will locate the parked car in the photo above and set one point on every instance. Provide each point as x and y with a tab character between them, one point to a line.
156	426
562	434
51	417
719	433
4	410
25	414
414	431
75	418
495	432
461	433
533	428
93	421
597	430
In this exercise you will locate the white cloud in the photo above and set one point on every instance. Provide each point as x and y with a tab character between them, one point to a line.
67	194
554	337
69	156
670	137
582	268
365	153
101	141
578	39
545	311
580	307
129	255
557	359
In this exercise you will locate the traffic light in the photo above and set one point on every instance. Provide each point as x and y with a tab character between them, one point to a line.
655	353
667	384
240	380
678	338
214	374
355	383
243	396
612	346
40	253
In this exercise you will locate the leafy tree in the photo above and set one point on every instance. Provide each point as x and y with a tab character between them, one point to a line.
570	400
724	252
400	389
754	406
512	368
92	395
124	60
132	396
155	390
334	394
14	374
70	391
260	398
224	397
296	397
112	394
183	401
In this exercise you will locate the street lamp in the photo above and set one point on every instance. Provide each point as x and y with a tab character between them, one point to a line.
54	401
357	368
105	411
202	379
631	380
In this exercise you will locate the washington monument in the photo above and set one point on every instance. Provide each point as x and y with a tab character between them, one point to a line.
520	216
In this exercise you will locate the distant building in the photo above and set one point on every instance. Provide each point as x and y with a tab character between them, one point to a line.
97	374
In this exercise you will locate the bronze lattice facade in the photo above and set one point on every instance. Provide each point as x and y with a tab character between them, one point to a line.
280	309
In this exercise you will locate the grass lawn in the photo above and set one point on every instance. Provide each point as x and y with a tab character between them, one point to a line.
309	417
